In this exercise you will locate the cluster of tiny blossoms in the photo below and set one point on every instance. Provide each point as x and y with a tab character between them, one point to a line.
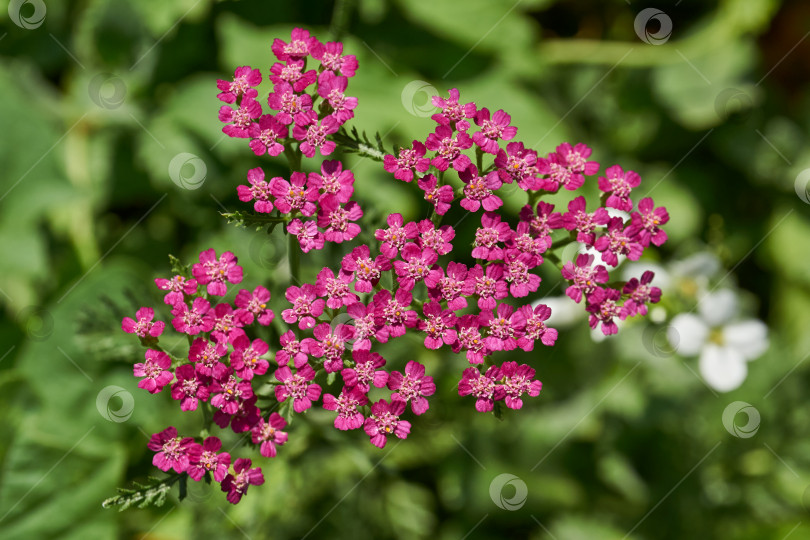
411	282
324	196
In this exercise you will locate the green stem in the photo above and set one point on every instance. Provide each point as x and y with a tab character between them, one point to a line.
293	257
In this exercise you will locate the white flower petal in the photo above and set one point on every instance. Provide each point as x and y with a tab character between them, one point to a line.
564	311
722	367
749	338
719	307
702	264
687	334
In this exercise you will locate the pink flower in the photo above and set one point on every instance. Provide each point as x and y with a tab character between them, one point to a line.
618	241
237	484
332	88
505	327
216	272
448	148
177	287
227	322
619	183
306	306
452	287
489	284
384	421
299	387
395	236
602	306
335	288
436	239
585	278
493	130
245	79
227	394
255	304
522	241
516	273
239	120
291	106
338	220
143	326
309	237
210	461
173	452
453	113
409	159
640	293
517	380
392	313
155	371
365	325
438	326
542	221
439	196
534	327
265	136
517	163
246	416
333	180
483	387
487	237
414	266
332	344
584	223
301	44
359	265
478	190
206	354
470	339
567	167
314	137
413	387
292	73
647	221
246	358
269	434
331	56
189	388
365	371
259	190
346	404
295	350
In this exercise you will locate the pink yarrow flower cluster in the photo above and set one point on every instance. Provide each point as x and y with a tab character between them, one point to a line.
472	296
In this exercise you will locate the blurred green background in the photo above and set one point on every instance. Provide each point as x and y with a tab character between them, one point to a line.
97	97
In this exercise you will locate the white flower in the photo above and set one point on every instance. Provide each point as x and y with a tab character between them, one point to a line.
724	347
